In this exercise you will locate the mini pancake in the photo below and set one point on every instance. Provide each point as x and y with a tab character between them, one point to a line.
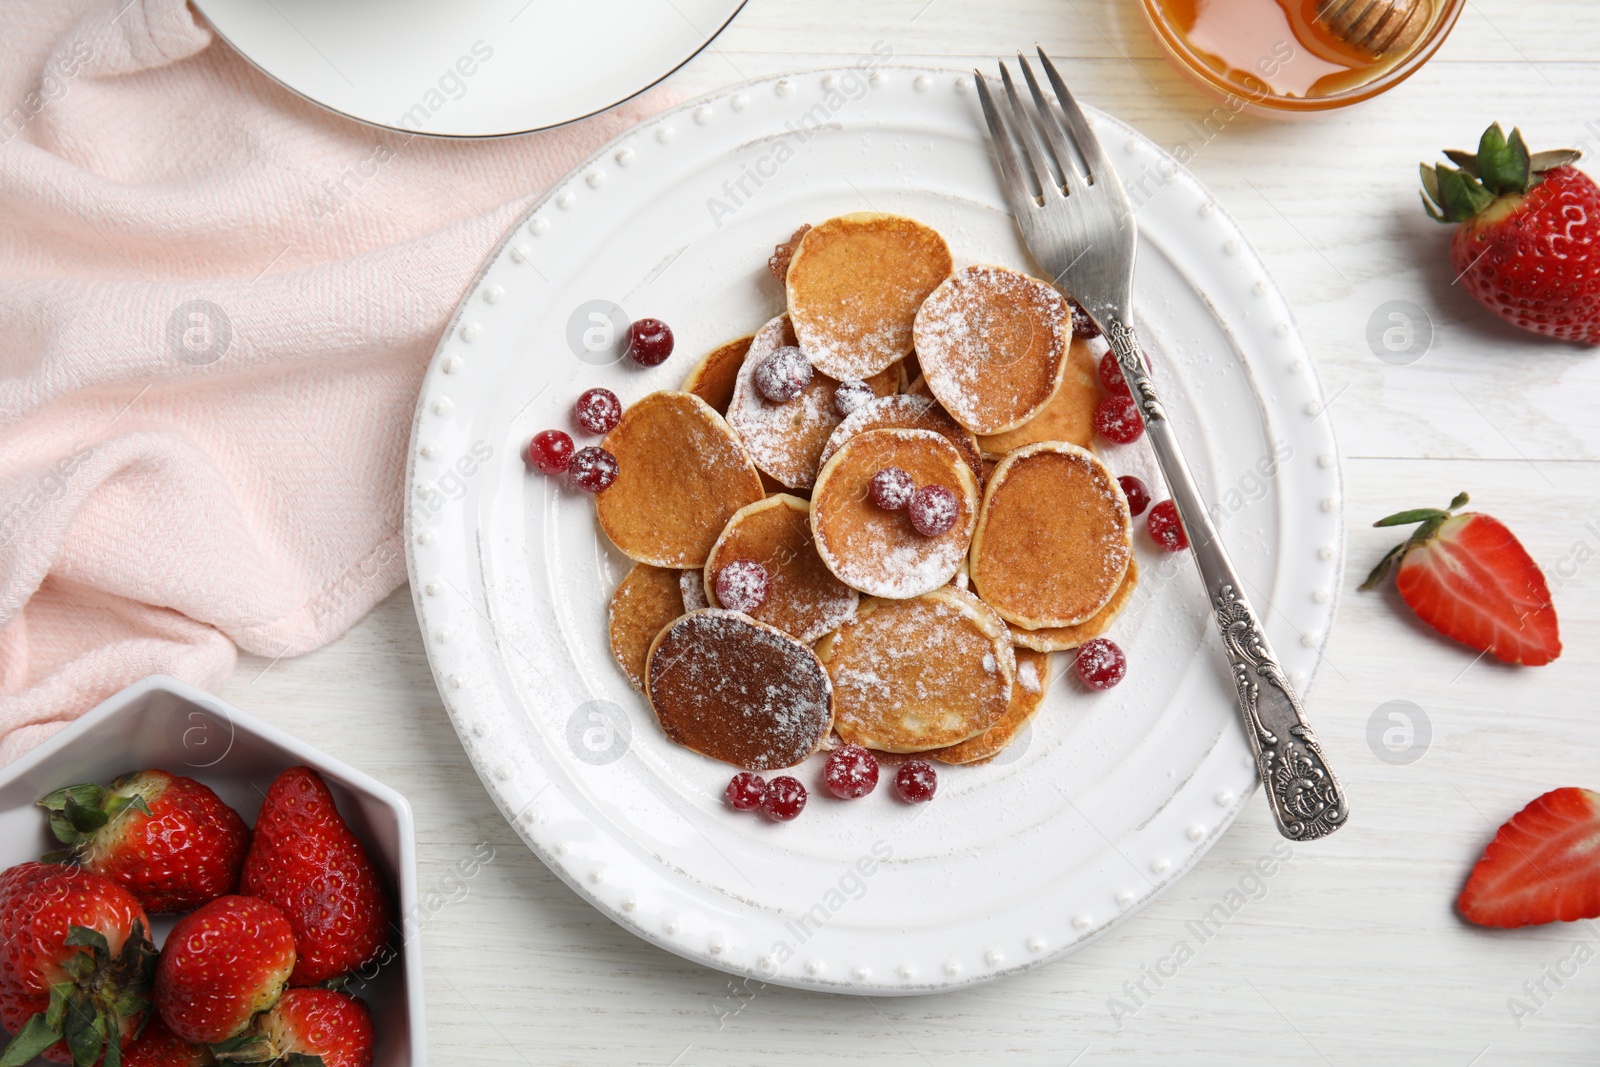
878	551
993	346
712	378
785	439
647	600
1068	417
1027	694
692	585
905	413
1054	536
739	690
1063	638
804	599
854	286
681	474
919	674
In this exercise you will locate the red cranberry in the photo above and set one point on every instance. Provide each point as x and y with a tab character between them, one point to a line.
1117	419
1100	664
742	585
649	342
1166	528
850	772
851	394
1111	379
915	781
746	791
933	510
1083	327
593	469
892	488
550	451
598	410
783	375
785	799
1137	492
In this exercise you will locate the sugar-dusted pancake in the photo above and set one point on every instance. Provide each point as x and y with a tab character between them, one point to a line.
646	600
784	440
1062	638
1054	536
712	378
804	599
738	690
918	386
1068	417
878	551
681	474
993	345
913	675
854	286
905	413
1027	693
692	586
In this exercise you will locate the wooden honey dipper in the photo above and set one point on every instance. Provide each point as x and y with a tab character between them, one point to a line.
1375	28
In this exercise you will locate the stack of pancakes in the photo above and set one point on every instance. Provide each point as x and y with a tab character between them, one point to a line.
897	641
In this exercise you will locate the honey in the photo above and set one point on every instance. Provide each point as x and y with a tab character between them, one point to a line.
1300	55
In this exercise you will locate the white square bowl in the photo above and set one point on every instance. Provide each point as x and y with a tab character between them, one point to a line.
163	723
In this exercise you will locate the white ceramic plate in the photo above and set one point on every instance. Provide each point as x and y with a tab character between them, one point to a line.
1108	797
470	68
162	722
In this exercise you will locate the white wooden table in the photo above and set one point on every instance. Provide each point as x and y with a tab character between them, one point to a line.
1353	953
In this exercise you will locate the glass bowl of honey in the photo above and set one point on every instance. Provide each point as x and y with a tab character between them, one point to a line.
1287	57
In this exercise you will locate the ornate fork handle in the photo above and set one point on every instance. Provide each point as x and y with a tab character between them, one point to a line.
1305	796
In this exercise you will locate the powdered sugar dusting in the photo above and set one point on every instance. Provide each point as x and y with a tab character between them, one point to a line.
740	691
992	344
903	412
783	439
1028	675
692	584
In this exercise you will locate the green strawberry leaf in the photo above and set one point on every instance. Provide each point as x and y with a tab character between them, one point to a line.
56	1013
88	937
85	819
113	1049
80	965
1460	195
1407	518
85	1034
117	805
1383	566
1459	501
246	1048
1540	162
89	795
30	1041
1465	160
1492	158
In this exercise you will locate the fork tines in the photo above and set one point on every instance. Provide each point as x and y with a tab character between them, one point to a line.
1073	159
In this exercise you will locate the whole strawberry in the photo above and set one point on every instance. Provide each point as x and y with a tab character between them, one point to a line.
168	840
1527	246
328	1028
75	964
306	861
158	1046
221	965
1469	577
1542	866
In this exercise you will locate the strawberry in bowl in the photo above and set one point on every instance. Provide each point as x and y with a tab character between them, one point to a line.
1527	239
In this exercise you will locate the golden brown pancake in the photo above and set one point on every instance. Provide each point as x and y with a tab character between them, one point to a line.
1062	638
681	474
1054	536
646	600
993	345
1027	694
785	439
804	599
712	378
854	286
1068	417
738	690
913	675
905	413
878	551
919	387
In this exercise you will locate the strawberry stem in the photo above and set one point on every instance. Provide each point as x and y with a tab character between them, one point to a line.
1430	518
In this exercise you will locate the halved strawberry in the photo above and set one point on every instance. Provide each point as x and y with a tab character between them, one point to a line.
1543	865
1469	577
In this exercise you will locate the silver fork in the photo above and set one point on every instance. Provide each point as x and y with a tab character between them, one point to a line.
1079	225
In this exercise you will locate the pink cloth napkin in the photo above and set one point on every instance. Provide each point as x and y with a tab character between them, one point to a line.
216	307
